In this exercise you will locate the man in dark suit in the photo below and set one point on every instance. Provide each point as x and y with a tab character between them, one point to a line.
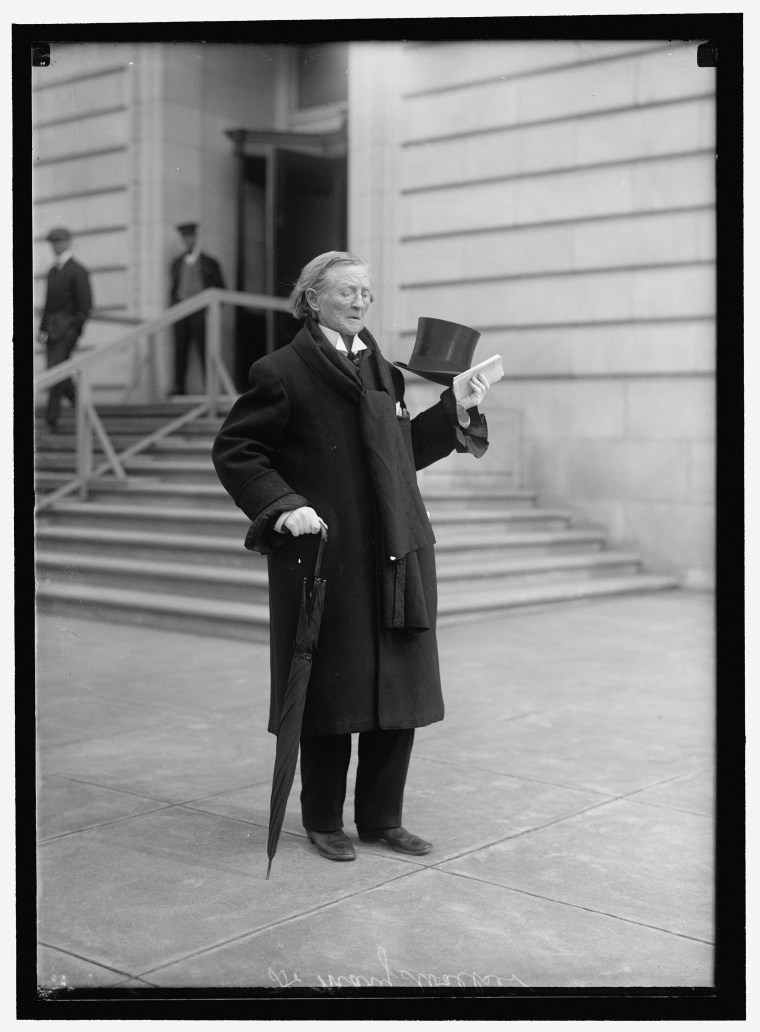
67	305
191	273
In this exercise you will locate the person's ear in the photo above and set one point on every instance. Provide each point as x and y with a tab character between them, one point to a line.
312	299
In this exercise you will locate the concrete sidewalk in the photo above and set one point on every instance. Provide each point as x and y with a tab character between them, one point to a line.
568	792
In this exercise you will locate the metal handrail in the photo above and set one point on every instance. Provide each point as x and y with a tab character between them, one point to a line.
205	299
88	422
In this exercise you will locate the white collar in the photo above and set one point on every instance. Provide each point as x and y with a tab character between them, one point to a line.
193	256
62	258
337	341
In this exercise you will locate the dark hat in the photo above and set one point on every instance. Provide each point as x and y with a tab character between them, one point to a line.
442	349
59	233
187	227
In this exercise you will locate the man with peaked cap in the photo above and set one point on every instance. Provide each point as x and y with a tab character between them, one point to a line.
68	301
322	438
192	272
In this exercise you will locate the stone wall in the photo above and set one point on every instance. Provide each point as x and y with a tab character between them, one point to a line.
559	197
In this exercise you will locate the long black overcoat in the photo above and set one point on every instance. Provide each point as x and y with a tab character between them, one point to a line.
293	439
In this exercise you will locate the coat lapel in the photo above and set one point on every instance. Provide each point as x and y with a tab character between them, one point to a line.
326	364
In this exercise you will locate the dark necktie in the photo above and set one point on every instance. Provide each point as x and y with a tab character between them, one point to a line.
352	356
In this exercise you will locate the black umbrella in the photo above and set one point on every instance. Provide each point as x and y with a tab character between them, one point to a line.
291	713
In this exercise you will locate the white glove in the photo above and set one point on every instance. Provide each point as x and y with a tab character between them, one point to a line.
301	521
479	386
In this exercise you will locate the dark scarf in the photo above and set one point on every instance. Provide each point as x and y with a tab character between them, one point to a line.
405	527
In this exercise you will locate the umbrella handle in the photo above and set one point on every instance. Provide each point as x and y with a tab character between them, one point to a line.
320	552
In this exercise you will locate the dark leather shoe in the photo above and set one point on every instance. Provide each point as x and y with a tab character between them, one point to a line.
335	845
399	839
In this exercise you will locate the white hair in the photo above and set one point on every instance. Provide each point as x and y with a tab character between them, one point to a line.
312	277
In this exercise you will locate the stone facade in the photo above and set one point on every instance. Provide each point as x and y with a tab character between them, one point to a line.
559	197
556	195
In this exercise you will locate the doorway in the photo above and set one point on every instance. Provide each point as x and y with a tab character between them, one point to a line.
291	207
310	219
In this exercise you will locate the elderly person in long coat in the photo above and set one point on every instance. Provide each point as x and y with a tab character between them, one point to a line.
322	438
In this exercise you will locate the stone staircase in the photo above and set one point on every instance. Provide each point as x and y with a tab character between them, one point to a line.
164	548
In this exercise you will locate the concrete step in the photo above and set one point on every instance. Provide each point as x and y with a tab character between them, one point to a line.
483	572
217	617
169	542
186	469
157	409
77	540
247	581
456	606
447	522
250	621
152	462
478	498
196	447
527	542
134	426
46	481
147	490
123	516
229	520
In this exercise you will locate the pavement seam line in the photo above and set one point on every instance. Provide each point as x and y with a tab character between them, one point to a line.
102	824
519	834
668	781
673	809
87	960
107	788
276	924
578	906
517	777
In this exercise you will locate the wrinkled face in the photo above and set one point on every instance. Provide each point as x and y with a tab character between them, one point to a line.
344	299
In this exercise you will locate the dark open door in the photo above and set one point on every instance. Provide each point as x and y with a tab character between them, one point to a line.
291	207
310	207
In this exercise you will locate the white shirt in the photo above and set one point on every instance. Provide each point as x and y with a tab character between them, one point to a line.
192	257
337	341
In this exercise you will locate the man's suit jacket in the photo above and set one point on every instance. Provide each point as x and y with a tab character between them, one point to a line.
211	274
68	301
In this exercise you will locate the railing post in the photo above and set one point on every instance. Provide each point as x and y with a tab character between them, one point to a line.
84	435
213	353
152	393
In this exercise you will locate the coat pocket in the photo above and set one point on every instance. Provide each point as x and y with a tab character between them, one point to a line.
405	426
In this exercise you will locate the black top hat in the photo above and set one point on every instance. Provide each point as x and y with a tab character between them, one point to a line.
59	233
441	350
187	227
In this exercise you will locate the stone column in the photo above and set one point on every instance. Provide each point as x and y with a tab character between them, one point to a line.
147	233
373	163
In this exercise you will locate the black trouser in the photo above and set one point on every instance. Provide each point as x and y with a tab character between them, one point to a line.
59	350
380	779
191	330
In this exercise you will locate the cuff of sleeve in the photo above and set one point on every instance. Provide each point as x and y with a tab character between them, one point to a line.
472	438
263	536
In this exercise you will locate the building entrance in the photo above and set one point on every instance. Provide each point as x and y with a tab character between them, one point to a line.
291	206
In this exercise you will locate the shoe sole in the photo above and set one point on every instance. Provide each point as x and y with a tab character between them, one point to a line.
331	856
